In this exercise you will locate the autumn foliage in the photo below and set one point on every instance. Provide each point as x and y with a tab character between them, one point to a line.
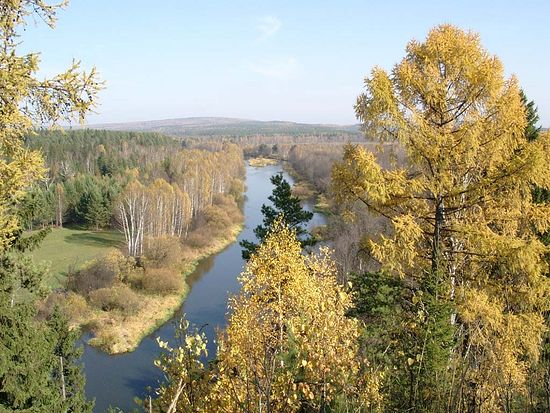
289	345
463	222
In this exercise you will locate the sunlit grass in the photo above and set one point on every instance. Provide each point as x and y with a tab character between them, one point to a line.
69	247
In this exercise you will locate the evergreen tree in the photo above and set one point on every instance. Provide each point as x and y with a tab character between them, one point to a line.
32	355
532	129
96	213
288	207
68	373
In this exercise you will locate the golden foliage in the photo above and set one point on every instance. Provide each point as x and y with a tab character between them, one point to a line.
461	208
27	101
288	347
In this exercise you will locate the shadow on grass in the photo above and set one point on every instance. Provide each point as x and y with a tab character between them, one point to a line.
93	239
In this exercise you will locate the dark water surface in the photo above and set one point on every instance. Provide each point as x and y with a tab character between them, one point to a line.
116	380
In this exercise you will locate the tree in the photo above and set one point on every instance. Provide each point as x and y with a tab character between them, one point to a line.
539	376
39	368
288	346
284	205
463	221
68	373
27	100
27	348
93	209
132	210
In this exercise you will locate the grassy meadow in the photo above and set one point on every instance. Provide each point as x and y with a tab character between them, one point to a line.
72	247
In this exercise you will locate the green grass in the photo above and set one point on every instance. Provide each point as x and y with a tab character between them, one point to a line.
65	247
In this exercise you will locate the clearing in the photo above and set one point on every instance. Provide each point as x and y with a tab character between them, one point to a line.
69	247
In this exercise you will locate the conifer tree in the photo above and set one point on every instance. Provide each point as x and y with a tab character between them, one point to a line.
463	224
27	348
288	207
67	370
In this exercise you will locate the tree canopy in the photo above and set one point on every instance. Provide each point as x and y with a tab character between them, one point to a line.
461	212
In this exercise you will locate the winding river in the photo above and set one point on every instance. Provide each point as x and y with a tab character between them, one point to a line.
116	379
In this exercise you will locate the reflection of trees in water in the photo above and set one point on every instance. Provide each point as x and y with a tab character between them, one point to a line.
202	268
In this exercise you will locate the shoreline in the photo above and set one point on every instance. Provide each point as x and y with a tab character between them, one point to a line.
117	334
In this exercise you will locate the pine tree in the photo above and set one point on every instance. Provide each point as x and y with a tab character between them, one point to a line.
288	207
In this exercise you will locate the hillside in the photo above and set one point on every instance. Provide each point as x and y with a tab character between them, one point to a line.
231	127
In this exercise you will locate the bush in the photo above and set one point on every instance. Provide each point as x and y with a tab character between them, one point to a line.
162	281
199	238
216	218
120	297
101	273
76	307
162	252
135	279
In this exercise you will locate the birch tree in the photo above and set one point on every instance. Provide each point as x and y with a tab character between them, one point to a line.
132	210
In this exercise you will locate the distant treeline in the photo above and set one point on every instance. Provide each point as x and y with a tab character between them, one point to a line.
89	169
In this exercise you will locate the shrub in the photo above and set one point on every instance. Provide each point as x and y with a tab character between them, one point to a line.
101	273
120	297
76	307
162	252
162	281
198	239
216	217
135	279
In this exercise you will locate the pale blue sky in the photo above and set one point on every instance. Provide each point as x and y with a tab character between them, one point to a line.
271	60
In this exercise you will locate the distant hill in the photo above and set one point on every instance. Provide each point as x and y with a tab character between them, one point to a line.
231	127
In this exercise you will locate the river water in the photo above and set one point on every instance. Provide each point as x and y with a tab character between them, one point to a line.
116	379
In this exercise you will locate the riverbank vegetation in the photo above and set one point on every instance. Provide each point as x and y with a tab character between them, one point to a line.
172	205
260	162
448	307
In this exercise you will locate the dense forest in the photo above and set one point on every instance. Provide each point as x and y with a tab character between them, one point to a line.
430	293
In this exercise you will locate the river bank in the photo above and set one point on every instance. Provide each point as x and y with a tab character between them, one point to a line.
116	333
205	306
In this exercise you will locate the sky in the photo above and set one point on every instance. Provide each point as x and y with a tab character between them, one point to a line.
301	61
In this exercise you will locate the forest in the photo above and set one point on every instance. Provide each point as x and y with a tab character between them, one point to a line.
427	290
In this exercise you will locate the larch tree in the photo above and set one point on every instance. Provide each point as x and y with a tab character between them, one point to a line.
27	101
463	222
29	360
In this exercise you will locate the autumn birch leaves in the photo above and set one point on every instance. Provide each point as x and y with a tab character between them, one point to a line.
166	209
288	347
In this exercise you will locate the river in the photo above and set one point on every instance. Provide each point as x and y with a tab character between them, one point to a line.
116	379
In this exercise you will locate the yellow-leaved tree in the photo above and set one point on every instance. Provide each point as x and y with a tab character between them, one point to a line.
463	222
26	101
288	347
